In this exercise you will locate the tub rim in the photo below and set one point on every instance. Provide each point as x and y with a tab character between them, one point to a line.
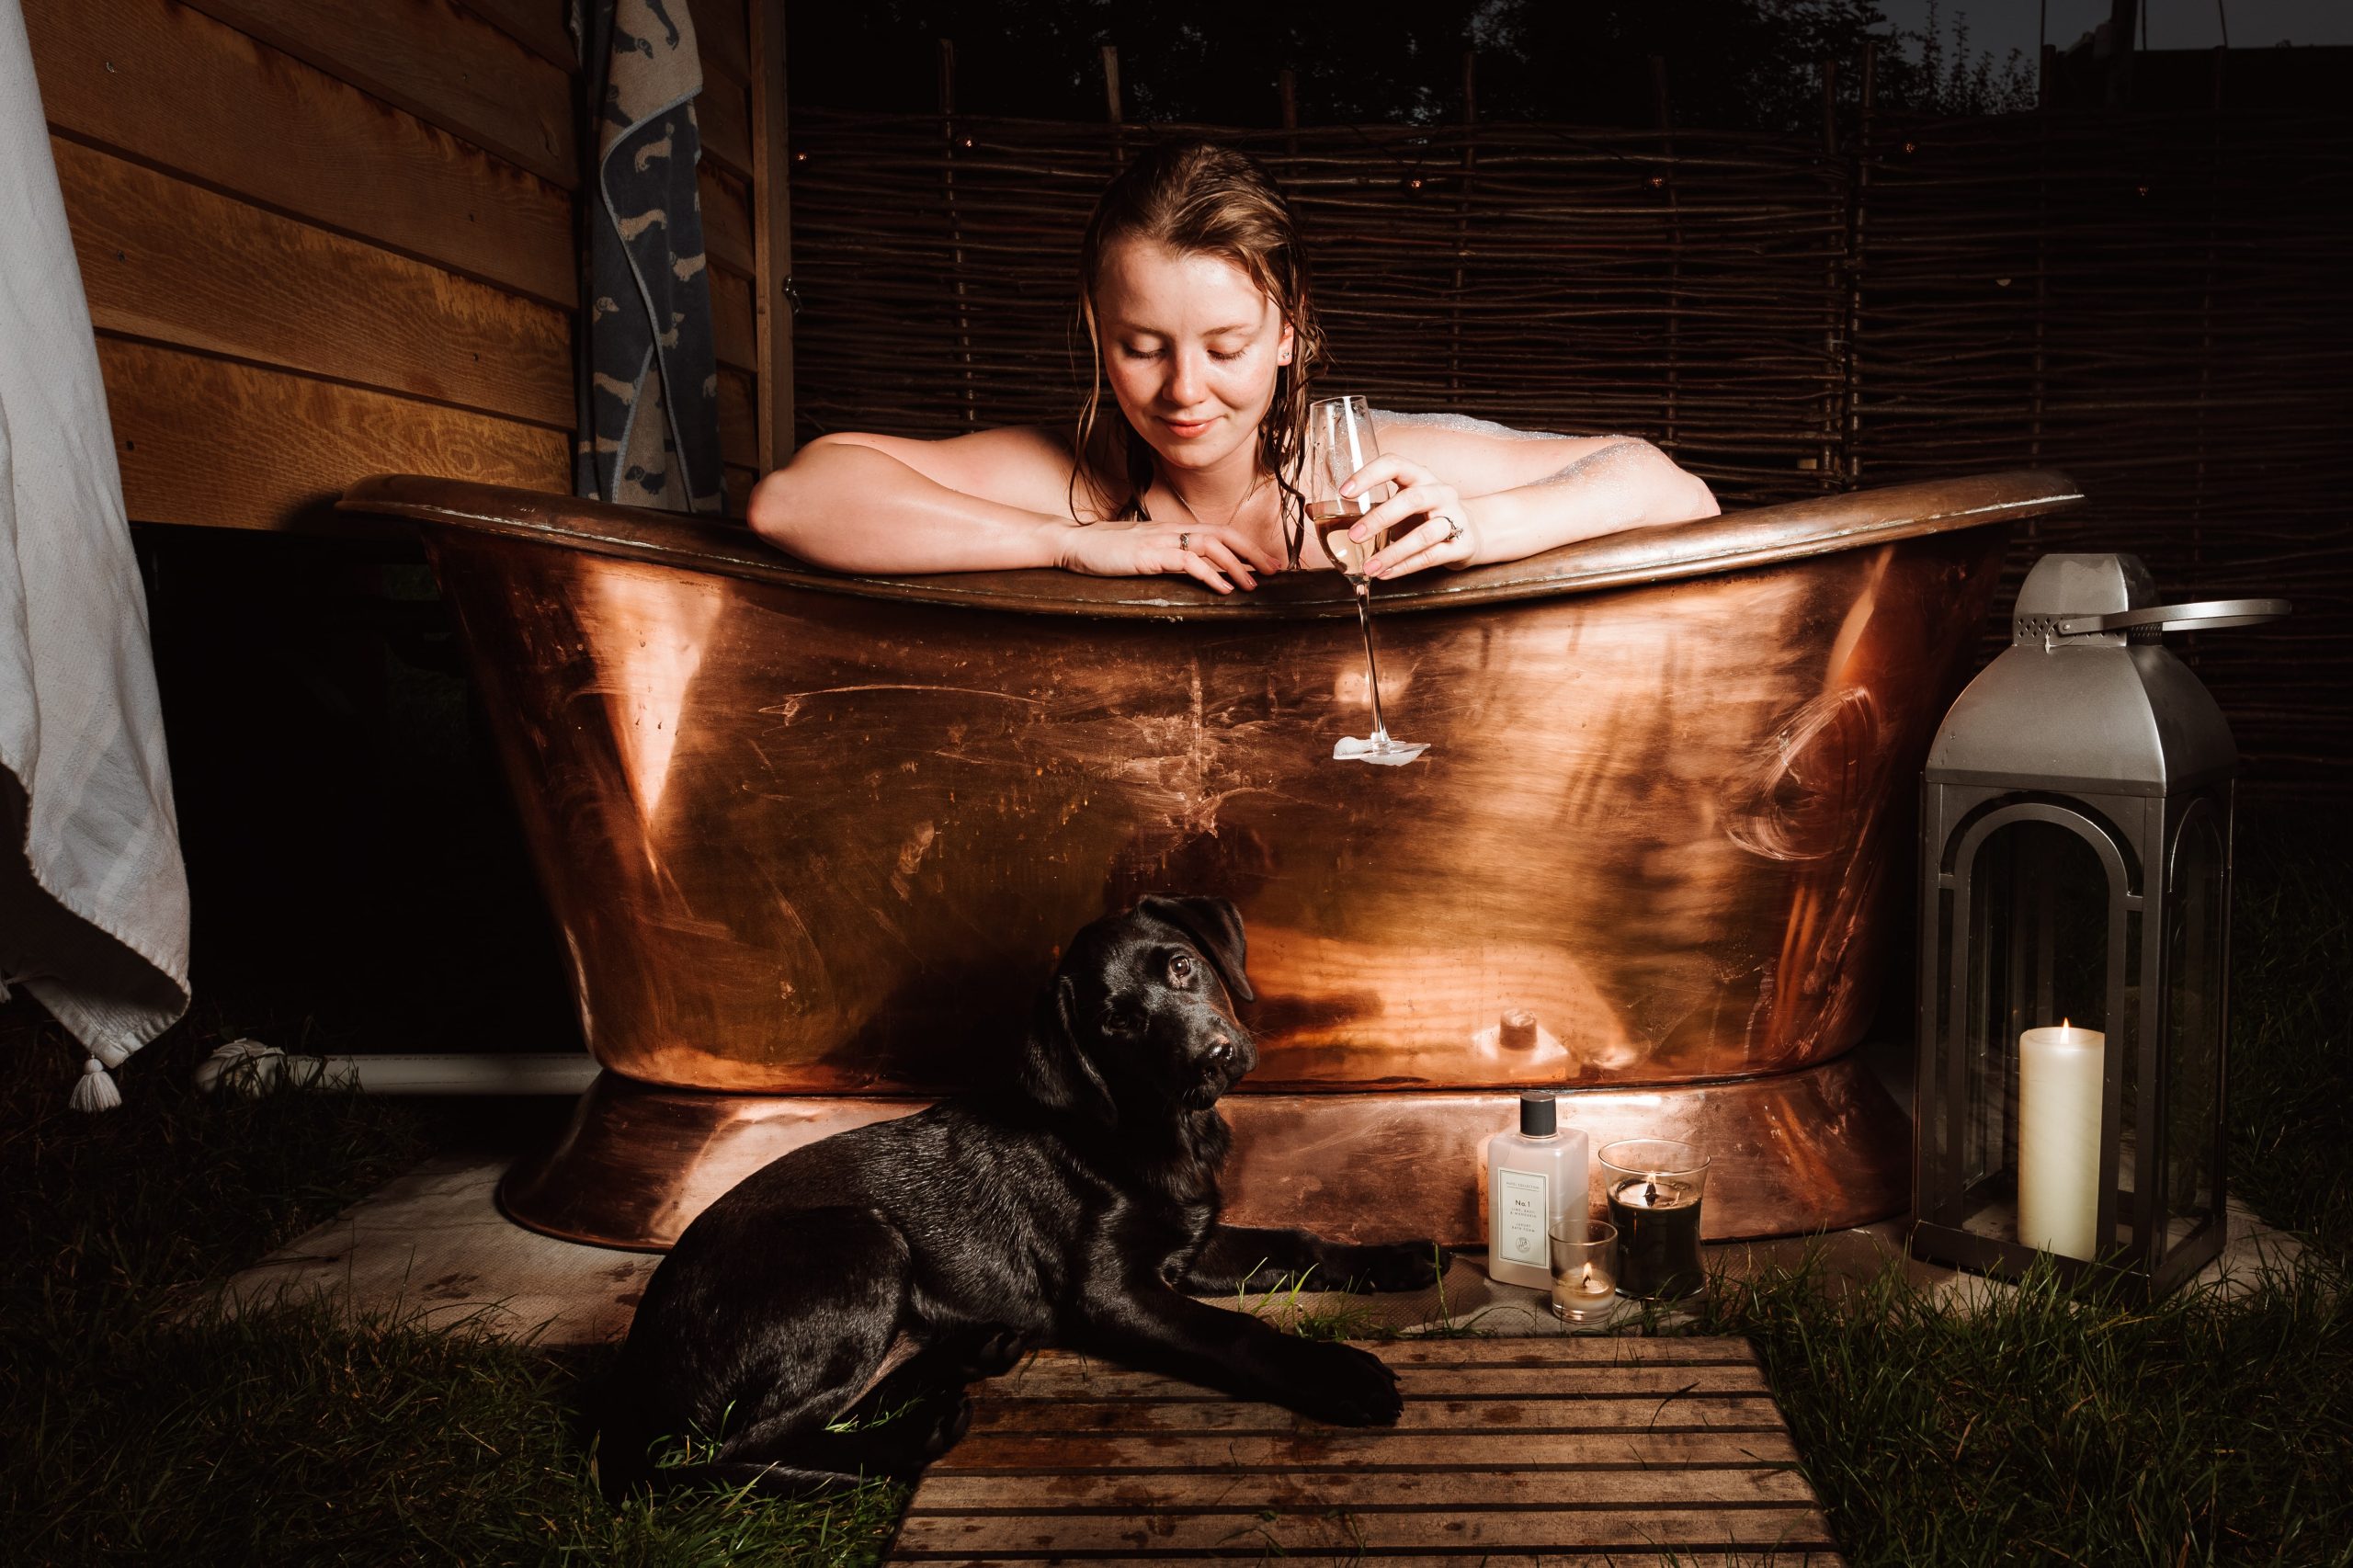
1759	537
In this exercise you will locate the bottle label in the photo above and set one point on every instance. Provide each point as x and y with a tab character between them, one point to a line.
1520	1214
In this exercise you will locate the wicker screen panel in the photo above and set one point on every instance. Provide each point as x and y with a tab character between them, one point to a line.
1582	280
2151	305
2157	306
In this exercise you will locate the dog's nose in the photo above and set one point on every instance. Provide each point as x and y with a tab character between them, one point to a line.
1221	1052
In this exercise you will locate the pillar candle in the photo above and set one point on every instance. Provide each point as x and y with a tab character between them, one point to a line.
2061	1073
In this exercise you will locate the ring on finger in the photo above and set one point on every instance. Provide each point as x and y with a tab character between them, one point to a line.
1453	529
1185	543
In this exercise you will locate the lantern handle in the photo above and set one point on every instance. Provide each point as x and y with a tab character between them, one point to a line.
2206	616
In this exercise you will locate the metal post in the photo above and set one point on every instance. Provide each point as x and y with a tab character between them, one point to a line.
1665	112
1858	190
1461	230
772	240
955	233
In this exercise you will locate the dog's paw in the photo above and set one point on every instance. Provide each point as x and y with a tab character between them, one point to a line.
1347	1386
947	1426
996	1354
1396	1265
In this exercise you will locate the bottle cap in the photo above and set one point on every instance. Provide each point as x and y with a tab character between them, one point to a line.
1537	1117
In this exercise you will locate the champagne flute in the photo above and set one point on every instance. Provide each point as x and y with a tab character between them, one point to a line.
1339	442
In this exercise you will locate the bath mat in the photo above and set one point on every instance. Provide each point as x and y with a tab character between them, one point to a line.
1605	1450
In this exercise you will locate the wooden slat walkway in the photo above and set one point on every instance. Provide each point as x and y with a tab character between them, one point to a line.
1587	1451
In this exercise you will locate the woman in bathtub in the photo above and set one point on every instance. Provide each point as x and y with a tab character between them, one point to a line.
1194	292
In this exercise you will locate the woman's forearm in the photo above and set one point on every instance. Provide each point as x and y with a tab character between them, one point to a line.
844	506
1628	483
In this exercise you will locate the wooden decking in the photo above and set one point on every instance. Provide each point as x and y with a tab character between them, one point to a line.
1590	1450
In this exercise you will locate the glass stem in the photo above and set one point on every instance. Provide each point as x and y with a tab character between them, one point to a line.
1372	666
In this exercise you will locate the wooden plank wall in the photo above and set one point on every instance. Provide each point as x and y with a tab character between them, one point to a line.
324	239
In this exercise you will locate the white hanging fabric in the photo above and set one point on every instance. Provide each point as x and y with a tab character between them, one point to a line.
93	896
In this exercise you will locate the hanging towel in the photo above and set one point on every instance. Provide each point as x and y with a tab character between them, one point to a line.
93	896
649	377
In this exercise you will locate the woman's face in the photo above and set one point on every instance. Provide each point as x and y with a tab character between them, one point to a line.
1189	347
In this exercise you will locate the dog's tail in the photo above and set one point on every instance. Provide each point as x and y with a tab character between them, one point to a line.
626	1433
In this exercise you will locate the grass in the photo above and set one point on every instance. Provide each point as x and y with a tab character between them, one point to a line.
147	1428
2050	1426
2045	1426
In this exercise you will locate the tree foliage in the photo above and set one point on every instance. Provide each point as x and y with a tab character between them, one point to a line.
1730	65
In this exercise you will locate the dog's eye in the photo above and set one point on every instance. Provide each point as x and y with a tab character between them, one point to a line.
1180	968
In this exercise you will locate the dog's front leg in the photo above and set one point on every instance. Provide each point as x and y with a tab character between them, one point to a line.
1236	1257
1141	1322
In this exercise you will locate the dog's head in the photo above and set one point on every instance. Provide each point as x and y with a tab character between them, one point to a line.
1138	1021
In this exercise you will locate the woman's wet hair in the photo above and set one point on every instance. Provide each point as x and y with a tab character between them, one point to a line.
1201	199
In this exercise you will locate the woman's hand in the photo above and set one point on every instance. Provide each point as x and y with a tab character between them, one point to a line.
1139	549
1428	522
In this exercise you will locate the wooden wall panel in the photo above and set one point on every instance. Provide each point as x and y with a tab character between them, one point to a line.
174	89
732	320
539	25
723	114
328	238
167	260
726	220
440	63
723	37
739	437
206	441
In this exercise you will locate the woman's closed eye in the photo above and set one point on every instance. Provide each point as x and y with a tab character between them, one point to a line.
1223	356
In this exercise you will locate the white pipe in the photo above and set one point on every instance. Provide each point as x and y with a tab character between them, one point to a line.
251	1067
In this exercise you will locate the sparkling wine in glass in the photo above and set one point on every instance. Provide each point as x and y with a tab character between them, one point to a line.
1339	442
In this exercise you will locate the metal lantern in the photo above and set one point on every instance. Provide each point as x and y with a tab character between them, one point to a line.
2075	941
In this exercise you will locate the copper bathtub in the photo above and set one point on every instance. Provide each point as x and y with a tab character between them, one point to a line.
812	840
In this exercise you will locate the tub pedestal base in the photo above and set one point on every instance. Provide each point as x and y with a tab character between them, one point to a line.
1820	1148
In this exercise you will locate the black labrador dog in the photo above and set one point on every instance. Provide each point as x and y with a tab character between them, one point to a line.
820	1321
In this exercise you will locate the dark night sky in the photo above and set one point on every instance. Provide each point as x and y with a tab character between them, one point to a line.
1733	63
2003	25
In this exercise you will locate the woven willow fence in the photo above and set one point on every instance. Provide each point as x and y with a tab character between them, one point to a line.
2153	305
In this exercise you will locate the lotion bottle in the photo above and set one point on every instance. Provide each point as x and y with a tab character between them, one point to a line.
1535	1176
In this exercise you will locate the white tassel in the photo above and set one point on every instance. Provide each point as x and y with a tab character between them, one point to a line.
96	1090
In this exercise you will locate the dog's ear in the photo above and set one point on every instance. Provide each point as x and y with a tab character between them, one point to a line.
1215	927
1055	1070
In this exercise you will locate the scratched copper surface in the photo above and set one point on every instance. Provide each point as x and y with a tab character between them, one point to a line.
814	842
1815	1150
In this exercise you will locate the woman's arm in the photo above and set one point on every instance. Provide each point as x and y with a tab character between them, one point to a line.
1515	494
996	500
860	503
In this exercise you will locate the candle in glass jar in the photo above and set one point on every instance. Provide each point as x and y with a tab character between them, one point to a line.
1585	1270
1659	1219
2061	1075
1655	1187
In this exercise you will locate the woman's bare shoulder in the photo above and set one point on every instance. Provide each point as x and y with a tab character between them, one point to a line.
1469	452
1019	465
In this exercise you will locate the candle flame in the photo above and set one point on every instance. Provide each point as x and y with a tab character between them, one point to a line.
1586	1282
2064	1022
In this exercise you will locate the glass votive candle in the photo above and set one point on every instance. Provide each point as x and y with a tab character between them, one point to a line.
1654	1189
1585	1270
